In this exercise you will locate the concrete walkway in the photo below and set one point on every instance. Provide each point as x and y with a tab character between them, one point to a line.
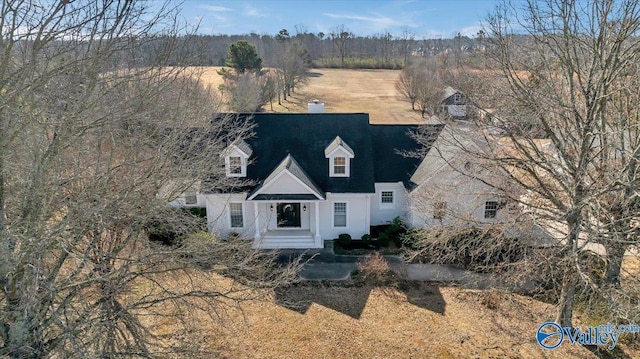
315	270
343	268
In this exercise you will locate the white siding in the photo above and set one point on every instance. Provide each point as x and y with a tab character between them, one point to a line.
180	202
218	216
382	213
357	215
465	200
285	184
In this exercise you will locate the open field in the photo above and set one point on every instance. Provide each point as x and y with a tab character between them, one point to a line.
357	319
371	91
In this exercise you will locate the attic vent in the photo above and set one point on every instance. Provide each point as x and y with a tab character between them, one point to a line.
315	107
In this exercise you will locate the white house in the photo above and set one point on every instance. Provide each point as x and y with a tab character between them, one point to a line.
308	177
448	190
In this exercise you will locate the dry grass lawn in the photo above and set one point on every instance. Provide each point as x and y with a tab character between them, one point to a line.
360	320
370	91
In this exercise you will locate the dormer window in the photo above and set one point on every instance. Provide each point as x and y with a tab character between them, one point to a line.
236	157
339	155
339	165
235	165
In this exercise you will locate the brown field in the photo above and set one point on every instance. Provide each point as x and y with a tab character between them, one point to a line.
356	319
370	91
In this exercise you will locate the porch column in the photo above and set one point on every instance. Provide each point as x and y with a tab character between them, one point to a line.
256	220
318	238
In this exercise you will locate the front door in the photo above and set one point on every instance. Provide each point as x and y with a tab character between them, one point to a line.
288	215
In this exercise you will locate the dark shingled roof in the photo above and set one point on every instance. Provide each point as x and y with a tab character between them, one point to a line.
391	143
305	137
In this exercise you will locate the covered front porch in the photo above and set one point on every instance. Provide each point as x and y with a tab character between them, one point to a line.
287	223
287	209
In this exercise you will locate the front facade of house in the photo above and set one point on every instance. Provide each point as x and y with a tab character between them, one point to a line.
309	177
304	178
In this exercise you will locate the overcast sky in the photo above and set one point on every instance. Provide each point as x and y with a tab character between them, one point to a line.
425	18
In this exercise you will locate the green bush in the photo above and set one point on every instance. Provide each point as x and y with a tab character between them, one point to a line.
396	231
384	239
344	240
366	239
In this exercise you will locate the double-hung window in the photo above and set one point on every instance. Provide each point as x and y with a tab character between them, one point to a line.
340	214
235	166
190	198
339	165
235	215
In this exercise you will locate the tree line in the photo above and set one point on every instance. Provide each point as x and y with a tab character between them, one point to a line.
338	48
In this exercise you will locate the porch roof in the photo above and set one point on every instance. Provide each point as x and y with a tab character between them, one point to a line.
285	197
288	166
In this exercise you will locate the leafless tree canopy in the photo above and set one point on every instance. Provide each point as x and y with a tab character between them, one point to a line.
564	131
422	83
87	166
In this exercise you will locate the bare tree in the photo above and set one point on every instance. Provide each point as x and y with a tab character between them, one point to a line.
91	149
385	48
248	92
292	67
341	37
406	42
568	77
408	84
422	83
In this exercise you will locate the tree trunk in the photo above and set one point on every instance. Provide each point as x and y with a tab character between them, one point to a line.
3	239
615	255
565	302
568	289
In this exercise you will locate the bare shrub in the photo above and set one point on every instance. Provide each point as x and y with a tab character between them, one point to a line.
374	268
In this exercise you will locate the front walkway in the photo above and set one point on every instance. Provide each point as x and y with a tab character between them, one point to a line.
341	268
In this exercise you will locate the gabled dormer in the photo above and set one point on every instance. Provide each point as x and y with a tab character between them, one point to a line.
236	157
339	155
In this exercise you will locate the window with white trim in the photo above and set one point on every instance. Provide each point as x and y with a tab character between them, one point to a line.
339	166
340	214
490	209
386	197
236	216
235	166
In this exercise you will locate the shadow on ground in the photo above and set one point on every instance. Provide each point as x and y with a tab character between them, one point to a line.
601	353
351	300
